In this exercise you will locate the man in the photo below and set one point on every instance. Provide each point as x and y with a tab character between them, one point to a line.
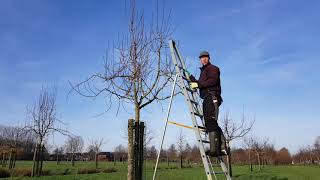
210	92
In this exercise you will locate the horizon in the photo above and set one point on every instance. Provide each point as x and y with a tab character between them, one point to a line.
267	53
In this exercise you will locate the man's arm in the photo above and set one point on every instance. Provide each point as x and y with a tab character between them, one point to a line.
212	78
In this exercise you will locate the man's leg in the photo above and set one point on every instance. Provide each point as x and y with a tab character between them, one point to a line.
223	145
212	126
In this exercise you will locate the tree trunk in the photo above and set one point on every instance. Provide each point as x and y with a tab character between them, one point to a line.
96	160
58	161
10	159
41	159
1	159
229	164
250	161
181	166
259	163
33	172
130	174
14	159
72	159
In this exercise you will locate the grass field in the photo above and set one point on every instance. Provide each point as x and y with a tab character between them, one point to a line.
174	173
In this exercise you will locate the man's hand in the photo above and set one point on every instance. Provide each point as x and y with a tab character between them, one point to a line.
192	78
194	85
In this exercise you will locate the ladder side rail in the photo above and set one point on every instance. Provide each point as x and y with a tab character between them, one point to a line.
191	110
224	168
196	98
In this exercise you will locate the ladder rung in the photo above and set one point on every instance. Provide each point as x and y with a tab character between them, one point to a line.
193	102
201	127
185	78
181	68
189	89
205	141
217	172
198	114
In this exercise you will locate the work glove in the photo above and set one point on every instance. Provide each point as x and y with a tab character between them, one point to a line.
194	85
192	78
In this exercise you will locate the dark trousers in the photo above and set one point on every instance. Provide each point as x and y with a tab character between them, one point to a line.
210	107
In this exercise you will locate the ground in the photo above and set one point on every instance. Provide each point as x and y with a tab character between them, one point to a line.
174	173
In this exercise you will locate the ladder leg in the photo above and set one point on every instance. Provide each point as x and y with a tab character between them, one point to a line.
165	126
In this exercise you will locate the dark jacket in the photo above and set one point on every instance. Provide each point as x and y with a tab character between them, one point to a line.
209	81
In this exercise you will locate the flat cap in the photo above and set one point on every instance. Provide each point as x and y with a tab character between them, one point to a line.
204	53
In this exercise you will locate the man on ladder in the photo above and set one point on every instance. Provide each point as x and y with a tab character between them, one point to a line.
210	92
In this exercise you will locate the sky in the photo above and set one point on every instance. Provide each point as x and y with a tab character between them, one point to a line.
268	53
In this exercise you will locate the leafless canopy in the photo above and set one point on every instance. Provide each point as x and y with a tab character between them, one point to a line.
74	144
96	144
234	130
43	114
137	68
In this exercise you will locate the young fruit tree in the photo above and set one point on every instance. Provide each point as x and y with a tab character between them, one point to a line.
43	122
234	130
138	70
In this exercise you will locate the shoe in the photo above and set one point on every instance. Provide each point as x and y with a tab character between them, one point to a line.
215	144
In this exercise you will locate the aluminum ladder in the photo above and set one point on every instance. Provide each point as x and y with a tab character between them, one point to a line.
192	99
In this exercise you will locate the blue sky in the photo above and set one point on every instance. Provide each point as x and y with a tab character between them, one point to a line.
268	52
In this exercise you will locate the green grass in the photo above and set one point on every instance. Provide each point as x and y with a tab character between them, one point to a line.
173	173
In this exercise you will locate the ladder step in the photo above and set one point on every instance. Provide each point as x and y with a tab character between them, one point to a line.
185	78
205	141
198	114
217	172
194	102
181	68
189	89
201	127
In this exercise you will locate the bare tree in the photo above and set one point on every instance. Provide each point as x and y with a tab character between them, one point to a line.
44	122
74	144
171	153
317	149
13	137
181	141
258	146
95	146
235	130
138	69
248	143
58	151
119	153
152	153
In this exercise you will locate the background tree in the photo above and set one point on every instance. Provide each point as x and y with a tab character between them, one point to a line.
152	153
283	157
120	153
248	143
188	153
233	130
73	145
317	149
172	153
181	141
258	146
44	122
58	152
12	139
95	146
